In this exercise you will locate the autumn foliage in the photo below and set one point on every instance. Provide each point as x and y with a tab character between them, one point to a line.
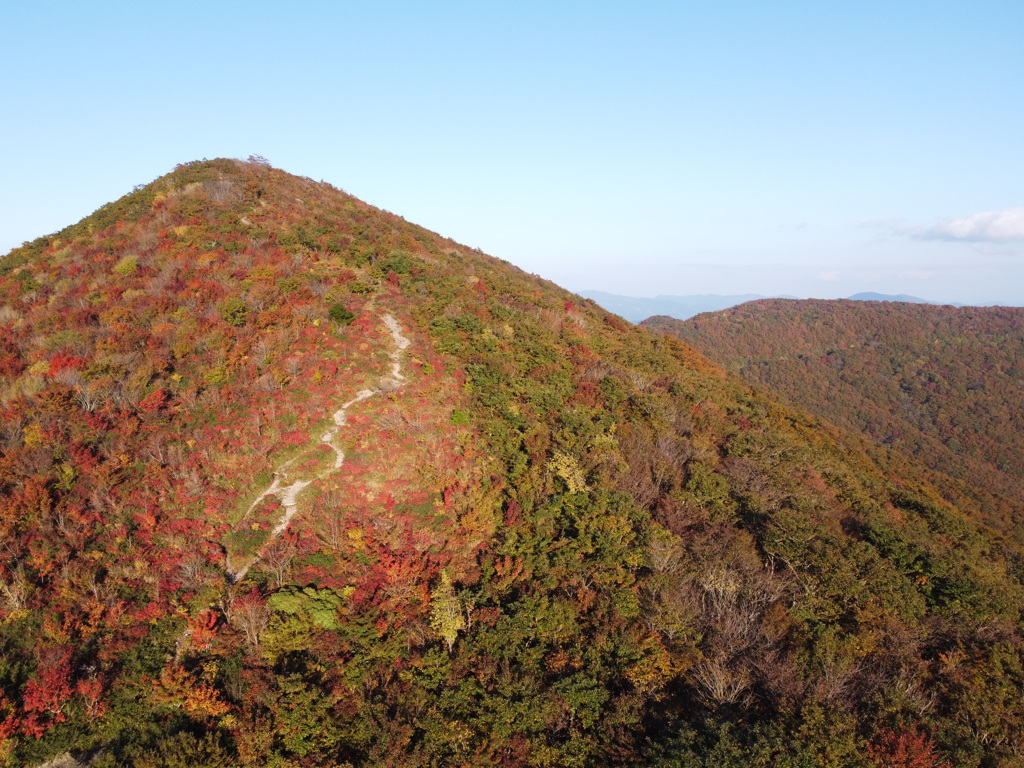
287	480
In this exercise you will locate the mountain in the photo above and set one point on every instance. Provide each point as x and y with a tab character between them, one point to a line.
636	309
941	384
287	480
871	296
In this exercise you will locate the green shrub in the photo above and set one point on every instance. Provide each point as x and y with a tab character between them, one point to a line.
126	266
289	284
361	286
234	311
28	281
20	257
319	605
339	314
399	262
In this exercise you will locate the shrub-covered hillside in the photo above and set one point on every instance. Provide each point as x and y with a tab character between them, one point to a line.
286	480
942	384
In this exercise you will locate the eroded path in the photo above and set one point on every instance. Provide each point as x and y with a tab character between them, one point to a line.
287	491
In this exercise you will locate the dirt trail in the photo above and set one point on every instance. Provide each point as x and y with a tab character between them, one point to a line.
288	493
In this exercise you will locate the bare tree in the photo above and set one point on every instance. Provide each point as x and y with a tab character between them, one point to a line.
15	589
88	398
330	529
250	614
277	558
392	420
722	682
194	571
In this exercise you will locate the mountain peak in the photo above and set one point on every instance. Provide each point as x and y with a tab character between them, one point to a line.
286	479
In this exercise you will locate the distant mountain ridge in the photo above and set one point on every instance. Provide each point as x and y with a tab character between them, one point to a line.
872	296
635	308
937	382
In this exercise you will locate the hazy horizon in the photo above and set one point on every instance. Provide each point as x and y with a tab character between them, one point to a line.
926	299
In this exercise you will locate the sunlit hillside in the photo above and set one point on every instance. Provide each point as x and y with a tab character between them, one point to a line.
286	480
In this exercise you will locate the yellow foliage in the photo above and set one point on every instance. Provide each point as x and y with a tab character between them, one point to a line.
66	475
568	468
652	672
179	689
446	616
33	435
117	315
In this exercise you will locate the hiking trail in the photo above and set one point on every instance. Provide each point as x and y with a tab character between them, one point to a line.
288	492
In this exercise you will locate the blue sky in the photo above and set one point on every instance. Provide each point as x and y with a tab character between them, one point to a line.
813	149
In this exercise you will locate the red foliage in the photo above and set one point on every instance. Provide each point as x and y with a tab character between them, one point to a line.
587	394
11	365
32	504
904	749
154	401
62	361
204	628
48	693
513	512
83	457
91	690
295	437
615	323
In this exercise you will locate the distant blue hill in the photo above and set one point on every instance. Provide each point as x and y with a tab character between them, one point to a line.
680	307
872	296
636	309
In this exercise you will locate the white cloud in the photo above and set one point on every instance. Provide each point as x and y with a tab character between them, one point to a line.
830	275
1003	226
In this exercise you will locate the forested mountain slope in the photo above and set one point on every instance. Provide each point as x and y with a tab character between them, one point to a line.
286	480
942	384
